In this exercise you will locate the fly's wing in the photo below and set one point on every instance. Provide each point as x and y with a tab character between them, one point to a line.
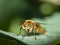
43	23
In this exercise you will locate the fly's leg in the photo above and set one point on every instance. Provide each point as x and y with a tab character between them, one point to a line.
34	33
20	31
23	37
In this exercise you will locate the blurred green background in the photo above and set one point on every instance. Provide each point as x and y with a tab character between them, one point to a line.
12	12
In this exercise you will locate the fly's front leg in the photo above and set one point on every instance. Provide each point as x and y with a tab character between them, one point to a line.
23	36
20	31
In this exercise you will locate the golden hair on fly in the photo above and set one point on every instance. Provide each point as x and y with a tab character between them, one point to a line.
31	26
